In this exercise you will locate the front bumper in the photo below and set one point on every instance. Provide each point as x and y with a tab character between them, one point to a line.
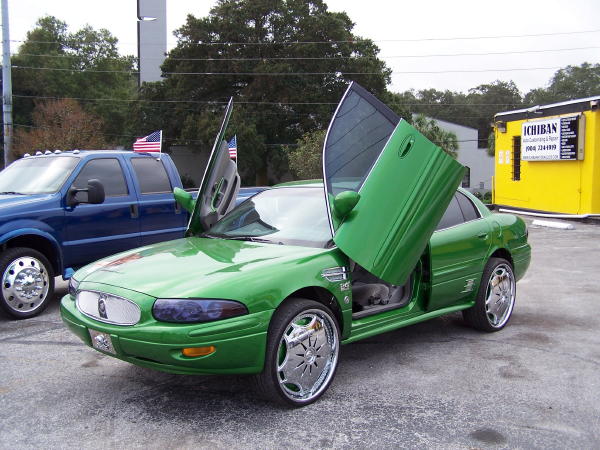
240	342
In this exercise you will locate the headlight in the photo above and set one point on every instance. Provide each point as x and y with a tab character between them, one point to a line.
189	310
73	285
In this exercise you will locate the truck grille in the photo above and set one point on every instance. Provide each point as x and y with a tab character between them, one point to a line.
108	308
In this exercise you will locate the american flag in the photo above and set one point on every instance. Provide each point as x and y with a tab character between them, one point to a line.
150	143
232	146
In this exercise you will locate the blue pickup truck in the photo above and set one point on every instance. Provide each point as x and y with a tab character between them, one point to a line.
62	210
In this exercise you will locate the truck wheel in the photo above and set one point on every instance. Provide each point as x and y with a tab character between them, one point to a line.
27	282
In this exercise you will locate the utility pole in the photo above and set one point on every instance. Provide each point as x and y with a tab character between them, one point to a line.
6	86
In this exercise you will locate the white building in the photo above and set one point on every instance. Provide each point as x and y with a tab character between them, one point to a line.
479	164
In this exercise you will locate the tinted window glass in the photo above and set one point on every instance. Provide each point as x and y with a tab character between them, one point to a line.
151	175
358	133
452	216
467	207
108	171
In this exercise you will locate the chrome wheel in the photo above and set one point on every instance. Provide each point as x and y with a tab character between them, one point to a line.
25	284
307	355
500	295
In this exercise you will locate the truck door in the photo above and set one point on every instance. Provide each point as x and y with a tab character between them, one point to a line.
161	219
95	231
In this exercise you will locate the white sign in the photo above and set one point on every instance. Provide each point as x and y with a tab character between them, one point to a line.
501	157
549	139
507	157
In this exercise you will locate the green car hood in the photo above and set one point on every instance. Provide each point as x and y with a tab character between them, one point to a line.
201	267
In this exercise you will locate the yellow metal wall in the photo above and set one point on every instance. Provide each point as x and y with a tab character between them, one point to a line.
568	187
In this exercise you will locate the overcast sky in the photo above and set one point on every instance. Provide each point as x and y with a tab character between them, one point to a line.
411	35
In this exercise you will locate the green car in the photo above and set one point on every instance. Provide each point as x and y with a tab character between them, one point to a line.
274	286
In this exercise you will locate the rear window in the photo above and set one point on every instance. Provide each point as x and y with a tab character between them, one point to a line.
452	216
152	176
467	207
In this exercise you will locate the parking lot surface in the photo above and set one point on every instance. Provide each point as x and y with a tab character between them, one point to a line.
438	384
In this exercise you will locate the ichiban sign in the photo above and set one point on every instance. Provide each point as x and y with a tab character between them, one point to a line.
552	139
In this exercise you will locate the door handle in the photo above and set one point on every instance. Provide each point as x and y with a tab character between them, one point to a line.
134	211
482	235
406	146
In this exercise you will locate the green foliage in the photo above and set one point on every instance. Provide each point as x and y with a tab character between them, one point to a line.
568	83
305	160
491	147
442	138
245	38
51	46
475	109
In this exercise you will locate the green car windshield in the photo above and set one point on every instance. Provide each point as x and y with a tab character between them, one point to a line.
285	216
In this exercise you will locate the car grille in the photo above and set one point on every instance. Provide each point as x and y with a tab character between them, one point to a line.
108	308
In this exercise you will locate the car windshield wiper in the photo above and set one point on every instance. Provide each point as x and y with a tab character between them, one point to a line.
11	193
252	239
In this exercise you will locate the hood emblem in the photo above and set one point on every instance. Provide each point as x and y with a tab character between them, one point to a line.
102	307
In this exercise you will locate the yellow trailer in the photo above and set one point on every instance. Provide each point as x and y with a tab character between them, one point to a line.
547	158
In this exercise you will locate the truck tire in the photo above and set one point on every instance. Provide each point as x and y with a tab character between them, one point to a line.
27	282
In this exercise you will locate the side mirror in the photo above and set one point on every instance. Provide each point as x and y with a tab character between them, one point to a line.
344	203
184	199
94	190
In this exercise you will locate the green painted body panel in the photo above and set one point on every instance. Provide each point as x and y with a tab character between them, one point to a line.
258	274
388	229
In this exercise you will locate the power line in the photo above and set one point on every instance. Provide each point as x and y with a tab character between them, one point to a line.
132	136
318	58
354	41
396	72
223	102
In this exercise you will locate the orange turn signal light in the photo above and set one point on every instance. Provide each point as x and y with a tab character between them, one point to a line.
198	351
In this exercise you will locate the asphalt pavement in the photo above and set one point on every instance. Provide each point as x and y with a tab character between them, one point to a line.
439	384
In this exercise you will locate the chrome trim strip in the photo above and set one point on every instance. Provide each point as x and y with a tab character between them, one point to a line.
333	274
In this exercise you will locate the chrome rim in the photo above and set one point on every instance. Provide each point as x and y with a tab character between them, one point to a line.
25	284
307	355
500	295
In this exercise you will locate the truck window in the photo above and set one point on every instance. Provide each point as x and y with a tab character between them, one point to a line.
108	171
152	176
37	175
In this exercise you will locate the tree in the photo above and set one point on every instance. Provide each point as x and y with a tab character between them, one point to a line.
442	138
568	83
489	99
60	125
285	62
52	62
306	160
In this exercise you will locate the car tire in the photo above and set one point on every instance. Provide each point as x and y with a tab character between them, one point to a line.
302	351
27	282
495	298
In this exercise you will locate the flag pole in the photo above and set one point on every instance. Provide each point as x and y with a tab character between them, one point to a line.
160	149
